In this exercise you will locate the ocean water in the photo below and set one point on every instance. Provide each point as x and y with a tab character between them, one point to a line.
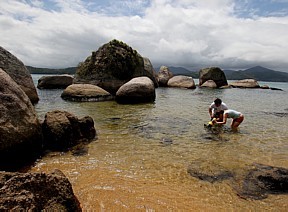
140	158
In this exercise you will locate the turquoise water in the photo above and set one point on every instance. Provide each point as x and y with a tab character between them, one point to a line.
155	143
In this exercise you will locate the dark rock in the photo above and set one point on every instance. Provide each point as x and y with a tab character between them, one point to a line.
62	130
55	82
112	65
19	73
213	73
20	130
86	93
137	90
276	89
164	75
37	192
263	180
214	174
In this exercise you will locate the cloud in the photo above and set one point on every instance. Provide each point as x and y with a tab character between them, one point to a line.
188	33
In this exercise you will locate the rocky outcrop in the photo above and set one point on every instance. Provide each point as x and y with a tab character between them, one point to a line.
55	81
262	180
62	130
209	84
213	73
37	192
112	65
137	90
181	82
19	73
86	93
20	130
245	83
164	75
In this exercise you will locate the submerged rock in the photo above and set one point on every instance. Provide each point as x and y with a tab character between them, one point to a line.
112	65
262	180
137	90
62	130
20	130
55	82
37	192
19	73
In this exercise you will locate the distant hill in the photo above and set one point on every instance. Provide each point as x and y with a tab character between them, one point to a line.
258	73
33	70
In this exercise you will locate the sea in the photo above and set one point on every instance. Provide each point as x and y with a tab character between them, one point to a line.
141	156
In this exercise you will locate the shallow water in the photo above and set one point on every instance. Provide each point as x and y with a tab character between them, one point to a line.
140	158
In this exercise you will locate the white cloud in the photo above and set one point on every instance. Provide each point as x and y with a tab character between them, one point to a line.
179	32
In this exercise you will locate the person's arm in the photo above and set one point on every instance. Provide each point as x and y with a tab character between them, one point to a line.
210	112
224	120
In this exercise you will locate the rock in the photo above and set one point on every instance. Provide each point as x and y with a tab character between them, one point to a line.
20	130
164	75
137	90
262	180
276	89
55	81
112	65
62	130
246	83
213	174
181	82
85	93
37	192
210	84
265	87
213	73
19	73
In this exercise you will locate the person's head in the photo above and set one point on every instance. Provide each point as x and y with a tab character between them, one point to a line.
217	102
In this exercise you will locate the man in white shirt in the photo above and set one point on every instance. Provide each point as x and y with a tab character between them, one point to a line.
216	109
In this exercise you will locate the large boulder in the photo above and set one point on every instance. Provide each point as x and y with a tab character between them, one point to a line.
181	82
245	83
137	90
112	65
55	81
19	73
213	73
20	130
86	93
62	130
37	192
164	75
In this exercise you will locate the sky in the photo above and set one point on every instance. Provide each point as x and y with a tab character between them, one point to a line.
195	34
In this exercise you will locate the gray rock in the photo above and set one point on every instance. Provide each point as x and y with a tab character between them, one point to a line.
62	130
55	81
181	82
37	192
19	73
164	75
213	73
245	83
137	90
20	130
112	65
86	93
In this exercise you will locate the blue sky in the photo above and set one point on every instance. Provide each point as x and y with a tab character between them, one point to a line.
230	34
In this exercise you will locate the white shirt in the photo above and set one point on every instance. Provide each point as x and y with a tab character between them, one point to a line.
216	109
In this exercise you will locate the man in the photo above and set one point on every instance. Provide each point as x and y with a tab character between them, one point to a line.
217	108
